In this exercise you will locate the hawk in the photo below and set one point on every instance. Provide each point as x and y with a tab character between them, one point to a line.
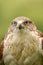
23	44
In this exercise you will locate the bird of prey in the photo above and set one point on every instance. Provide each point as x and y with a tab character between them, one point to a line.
23	44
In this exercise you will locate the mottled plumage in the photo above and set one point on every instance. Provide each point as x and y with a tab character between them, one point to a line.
23	44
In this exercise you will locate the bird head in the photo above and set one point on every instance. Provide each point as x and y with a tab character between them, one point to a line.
21	23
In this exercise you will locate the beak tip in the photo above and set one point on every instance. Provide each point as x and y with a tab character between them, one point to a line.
20	26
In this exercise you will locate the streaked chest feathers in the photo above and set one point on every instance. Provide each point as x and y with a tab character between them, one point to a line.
20	46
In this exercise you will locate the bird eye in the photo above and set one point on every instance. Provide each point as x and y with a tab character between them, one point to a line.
15	23
26	22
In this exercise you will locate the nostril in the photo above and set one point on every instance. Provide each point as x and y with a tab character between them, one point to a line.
20	26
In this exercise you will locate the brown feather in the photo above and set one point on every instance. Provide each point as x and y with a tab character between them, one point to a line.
1	49
40	33
42	43
2	46
41	36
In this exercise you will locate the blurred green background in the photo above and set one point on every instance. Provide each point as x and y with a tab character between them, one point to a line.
10	9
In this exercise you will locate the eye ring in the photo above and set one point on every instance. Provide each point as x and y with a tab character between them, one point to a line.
15	22
26	22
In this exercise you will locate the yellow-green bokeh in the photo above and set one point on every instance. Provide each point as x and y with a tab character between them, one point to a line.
10	9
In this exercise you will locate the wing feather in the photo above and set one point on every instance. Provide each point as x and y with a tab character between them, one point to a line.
1	53
1	50
40	34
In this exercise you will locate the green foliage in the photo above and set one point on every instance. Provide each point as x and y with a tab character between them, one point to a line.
10	9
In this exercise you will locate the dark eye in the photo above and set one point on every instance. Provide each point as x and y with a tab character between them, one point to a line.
15	23
26	22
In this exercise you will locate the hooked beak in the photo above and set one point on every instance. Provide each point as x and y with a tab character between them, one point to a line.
20	27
